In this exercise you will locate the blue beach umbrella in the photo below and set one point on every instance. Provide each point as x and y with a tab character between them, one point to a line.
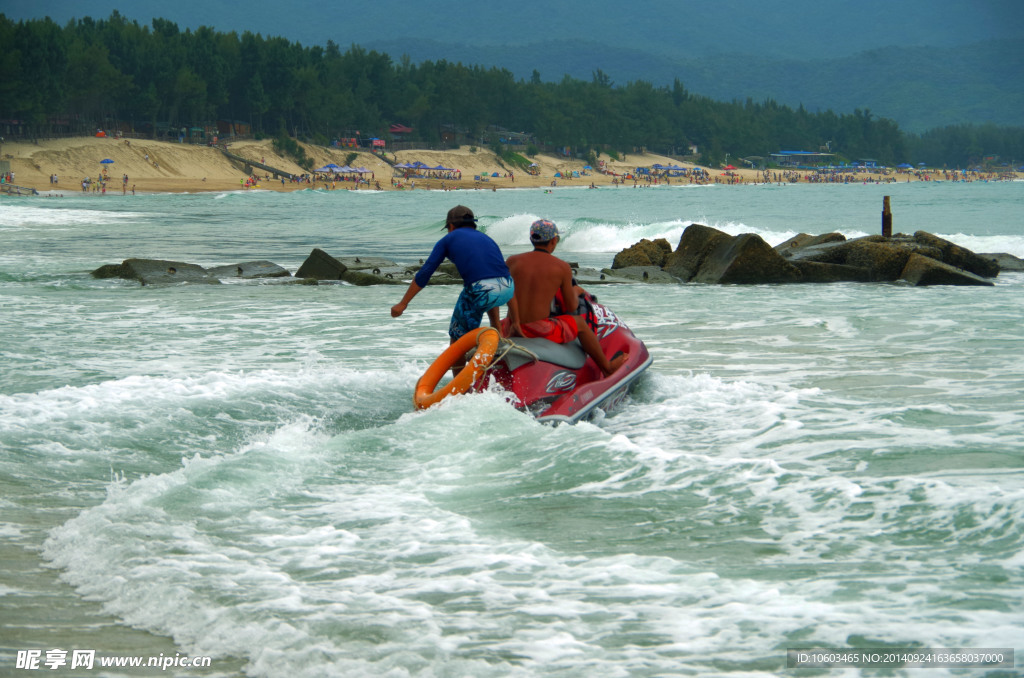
106	161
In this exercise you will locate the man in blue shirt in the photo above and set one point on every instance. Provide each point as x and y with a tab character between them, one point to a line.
487	283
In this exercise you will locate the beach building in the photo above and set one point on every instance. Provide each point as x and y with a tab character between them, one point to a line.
801	158
399	131
233	128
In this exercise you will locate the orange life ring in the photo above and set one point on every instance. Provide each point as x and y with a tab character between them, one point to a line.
486	341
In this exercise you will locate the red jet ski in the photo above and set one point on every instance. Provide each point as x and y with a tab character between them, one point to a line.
554	382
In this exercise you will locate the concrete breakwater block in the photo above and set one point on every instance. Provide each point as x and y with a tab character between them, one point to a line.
362	271
396	272
1006	262
108	271
592	276
250	270
160	272
156	272
366	263
922	271
321	266
376	277
646	274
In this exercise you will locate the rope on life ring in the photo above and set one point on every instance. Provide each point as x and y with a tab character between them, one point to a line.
486	341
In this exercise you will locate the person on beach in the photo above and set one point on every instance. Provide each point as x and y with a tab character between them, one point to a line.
486	281
540	277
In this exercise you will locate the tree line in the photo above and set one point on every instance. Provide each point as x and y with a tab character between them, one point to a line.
95	73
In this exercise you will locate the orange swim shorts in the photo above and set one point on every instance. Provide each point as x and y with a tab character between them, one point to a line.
560	329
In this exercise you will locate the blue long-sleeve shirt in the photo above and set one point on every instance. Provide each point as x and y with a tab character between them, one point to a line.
473	252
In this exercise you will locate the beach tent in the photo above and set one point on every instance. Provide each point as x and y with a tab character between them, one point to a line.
330	167
905	165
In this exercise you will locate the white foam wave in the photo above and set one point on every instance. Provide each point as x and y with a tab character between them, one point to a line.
994	244
10	530
708	415
512	230
309	555
587	236
817	465
144	423
614	238
231	194
23	216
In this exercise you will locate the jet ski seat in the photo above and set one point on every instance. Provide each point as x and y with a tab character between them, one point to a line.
571	355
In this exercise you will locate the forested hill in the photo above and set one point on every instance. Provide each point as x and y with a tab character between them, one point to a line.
922	63
919	87
100	73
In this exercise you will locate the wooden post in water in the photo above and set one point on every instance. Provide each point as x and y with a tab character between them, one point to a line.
886	218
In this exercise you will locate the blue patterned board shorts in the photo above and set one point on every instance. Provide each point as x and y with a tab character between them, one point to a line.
476	299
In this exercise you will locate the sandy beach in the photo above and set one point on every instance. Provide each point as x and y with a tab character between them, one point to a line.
159	166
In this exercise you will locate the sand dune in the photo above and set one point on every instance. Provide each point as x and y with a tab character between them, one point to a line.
159	166
171	167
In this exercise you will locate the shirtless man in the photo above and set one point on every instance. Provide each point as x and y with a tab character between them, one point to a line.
538	276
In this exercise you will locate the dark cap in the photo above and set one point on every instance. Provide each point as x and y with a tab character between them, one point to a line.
459	216
542	230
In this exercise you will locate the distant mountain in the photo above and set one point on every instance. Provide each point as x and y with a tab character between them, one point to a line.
923	63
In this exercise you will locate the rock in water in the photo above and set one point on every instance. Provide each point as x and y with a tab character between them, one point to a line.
960	257
921	271
161	272
321	266
250	270
694	244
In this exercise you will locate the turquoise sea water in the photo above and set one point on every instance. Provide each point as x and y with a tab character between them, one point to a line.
236	471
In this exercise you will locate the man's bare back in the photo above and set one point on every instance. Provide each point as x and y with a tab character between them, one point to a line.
538	275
